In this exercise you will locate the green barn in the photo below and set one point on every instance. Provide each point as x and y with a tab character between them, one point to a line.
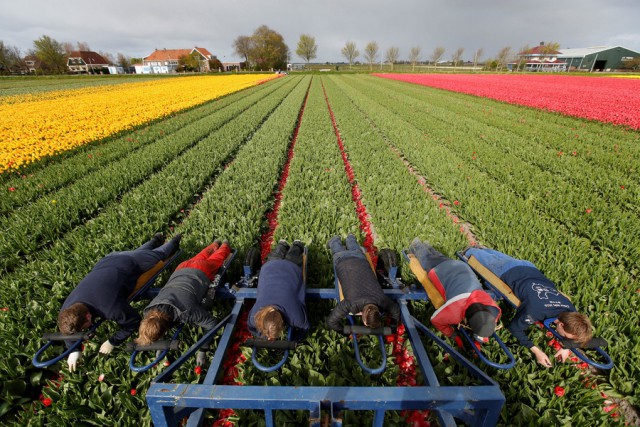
598	58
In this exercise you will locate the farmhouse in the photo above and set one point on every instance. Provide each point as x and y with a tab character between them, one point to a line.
539	58
598	58
86	61
166	60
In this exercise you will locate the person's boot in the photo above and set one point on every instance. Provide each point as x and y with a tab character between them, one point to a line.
158	239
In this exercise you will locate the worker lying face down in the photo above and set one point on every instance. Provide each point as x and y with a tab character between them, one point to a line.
361	290
181	298
539	300
105	290
280	299
464	299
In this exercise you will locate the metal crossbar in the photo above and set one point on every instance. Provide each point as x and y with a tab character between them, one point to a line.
477	405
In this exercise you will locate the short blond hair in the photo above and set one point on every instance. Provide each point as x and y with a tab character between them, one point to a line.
577	324
153	327
269	322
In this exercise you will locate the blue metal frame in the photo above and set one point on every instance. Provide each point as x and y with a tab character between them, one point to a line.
283	360
508	365
159	355
73	347
474	405
354	336
162	353
608	364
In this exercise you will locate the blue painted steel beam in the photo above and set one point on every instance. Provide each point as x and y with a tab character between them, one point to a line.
477	405
323	293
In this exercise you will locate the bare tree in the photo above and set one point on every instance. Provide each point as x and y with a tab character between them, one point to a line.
307	48
391	56
108	57
522	61
350	52
371	53
10	59
414	56
123	60
436	55
476	57
242	47
503	57
83	46
549	47
456	56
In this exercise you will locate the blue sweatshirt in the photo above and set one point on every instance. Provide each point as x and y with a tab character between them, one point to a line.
105	290
539	297
280	285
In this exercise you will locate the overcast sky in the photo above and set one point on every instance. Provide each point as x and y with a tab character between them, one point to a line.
137	27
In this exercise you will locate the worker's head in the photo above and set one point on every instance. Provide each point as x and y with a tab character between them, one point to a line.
371	316
575	326
74	319
269	322
482	321
153	326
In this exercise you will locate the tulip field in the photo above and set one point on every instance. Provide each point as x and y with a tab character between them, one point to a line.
308	157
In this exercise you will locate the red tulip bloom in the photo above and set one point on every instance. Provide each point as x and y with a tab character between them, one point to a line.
12	189
47	401
198	370
559	391
134	392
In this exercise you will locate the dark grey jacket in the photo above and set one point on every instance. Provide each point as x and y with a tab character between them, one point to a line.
184	293
359	288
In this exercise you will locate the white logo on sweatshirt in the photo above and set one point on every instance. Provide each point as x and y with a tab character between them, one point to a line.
543	291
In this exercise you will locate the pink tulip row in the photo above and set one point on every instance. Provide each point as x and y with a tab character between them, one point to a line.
604	99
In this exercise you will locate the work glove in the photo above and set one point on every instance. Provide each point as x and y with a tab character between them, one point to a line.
106	347
73	360
201	357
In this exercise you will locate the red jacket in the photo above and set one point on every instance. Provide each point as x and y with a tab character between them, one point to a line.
460	288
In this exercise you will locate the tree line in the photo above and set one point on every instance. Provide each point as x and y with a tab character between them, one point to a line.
51	56
266	49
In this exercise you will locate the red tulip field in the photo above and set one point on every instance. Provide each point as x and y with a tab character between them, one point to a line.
543	168
611	100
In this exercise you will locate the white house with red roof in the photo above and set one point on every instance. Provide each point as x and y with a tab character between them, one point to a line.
539	58
164	61
86	61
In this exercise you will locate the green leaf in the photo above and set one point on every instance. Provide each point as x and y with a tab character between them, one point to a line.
15	387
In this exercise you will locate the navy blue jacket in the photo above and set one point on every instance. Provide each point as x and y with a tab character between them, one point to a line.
280	285
539	297
105	290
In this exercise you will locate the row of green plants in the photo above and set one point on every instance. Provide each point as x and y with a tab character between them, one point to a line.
39	223
513	224
34	292
50	174
555	182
